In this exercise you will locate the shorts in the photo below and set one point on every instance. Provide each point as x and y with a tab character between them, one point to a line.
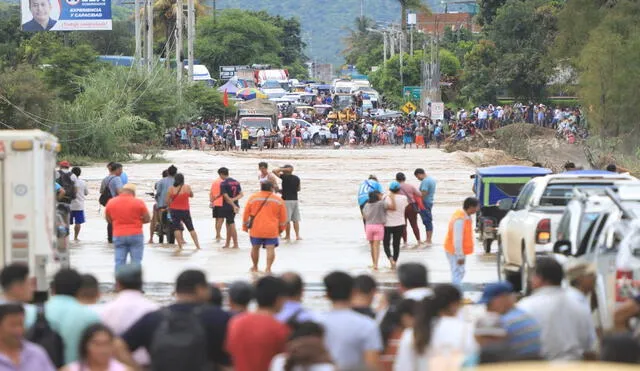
427	217
77	217
184	141
228	215
293	210
264	242
408	140
181	216
217	212
374	232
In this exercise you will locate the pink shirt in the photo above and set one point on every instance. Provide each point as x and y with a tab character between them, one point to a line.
125	310
410	191
113	366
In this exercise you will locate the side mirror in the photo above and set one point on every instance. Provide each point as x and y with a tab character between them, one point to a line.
505	204
562	247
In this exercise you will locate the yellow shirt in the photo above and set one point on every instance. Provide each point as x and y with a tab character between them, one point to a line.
245	134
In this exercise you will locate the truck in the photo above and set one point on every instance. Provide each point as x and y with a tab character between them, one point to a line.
33	228
259	76
259	113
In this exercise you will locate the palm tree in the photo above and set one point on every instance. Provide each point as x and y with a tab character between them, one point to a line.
410	5
164	15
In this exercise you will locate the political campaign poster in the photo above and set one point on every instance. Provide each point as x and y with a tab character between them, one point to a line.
65	15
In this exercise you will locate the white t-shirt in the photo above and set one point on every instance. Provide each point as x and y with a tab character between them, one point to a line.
452	340
396	217
77	204
278	362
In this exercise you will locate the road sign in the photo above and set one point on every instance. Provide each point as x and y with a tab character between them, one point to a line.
228	72
408	107
412	93
437	111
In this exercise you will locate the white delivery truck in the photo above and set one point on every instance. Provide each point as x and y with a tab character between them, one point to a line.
33	231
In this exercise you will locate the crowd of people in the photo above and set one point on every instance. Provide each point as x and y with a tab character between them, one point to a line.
265	325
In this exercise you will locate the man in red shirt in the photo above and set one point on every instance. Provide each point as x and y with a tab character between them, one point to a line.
253	339
127	214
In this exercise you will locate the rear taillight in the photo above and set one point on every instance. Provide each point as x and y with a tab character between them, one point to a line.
624	284
488	223
543	232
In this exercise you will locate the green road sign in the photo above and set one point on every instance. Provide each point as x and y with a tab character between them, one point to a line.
412	93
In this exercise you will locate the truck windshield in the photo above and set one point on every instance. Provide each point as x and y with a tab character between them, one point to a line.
256	122
271	84
561	194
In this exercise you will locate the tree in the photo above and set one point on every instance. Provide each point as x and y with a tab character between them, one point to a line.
24	88
479	79
164	16
10	35
522	32
488	10
119	41
66	66
207	101
237	38
406	5
363	46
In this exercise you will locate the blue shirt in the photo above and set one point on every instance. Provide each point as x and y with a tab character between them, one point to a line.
293	308
69	318
124	178
183	134
367	187
428	184
32	357
523	333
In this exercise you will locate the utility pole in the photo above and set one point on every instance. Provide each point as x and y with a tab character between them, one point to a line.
138	32
385	46
361	9
149	12
214	11
412	41
179	29
191	27
401	60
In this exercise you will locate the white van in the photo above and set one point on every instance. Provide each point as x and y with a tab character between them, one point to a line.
28	220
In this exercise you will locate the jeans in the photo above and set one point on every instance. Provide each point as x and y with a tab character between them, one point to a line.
128	245
457	270
427	217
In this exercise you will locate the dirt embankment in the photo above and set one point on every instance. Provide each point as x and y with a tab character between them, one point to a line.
519	144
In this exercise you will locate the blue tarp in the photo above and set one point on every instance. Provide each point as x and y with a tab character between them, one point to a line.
230	87
512	171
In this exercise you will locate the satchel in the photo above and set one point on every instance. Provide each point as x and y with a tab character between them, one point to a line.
249	222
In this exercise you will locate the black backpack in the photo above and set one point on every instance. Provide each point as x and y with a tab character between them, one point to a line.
179	342
68	185
42	334
106	195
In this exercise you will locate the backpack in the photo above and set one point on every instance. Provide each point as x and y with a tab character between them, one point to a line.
68	185
179	342
106	195
42	334
293	321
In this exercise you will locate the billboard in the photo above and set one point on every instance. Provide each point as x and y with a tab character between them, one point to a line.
65	15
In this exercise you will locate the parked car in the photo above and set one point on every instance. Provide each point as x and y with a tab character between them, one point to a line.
319	134
529	228
612	244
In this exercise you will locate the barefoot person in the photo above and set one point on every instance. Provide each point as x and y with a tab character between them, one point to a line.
395	223
265	217
375	217
231	193
216	201
178	201
290	189
265	176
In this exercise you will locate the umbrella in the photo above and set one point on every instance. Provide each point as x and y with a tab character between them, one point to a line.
250	93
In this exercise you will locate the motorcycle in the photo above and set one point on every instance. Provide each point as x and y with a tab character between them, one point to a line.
163	224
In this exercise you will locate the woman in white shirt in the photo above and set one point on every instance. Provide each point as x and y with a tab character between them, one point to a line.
395	223
440	340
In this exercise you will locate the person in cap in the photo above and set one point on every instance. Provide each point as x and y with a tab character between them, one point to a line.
396	204
582	280
240	295
127	214
68	181
128	306
522	330
368	186
458	242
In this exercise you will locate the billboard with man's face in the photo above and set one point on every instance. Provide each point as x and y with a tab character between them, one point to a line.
66	15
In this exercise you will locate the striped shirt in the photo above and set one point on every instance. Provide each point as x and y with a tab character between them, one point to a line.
523	333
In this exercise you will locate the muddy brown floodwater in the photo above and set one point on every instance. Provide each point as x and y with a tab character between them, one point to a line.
331	225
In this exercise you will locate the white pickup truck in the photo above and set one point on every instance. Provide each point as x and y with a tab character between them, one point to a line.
529	228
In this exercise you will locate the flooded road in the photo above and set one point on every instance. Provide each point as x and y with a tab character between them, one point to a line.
331	225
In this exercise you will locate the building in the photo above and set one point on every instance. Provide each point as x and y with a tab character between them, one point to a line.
436	23
321	72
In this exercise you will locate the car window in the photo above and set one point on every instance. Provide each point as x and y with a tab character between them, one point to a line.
524	197
564	227
587	222
560	194
597	232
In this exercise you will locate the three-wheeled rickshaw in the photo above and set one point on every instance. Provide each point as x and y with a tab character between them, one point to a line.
493	184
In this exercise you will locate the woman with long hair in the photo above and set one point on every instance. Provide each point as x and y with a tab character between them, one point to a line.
305	351
375	217
438	339
96	351
178	201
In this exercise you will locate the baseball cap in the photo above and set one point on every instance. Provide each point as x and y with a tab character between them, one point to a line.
394	186
575	270
493	290
64	164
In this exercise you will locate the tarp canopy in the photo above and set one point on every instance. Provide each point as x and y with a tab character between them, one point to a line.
257	107
512	171
230	87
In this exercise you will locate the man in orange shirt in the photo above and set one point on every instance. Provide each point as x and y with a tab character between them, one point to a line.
265	217
459	240
216	201
127	214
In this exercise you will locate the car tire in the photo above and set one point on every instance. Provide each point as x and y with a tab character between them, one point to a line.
504	275
525	273
317	140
